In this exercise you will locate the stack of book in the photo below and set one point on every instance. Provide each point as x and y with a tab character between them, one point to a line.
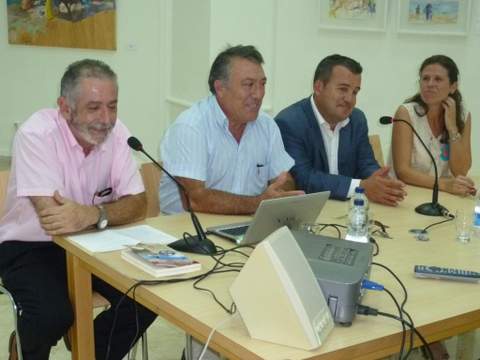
159	260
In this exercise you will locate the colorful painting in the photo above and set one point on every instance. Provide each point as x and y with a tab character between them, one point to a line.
353	9
365	15
66	23
435	17
433	12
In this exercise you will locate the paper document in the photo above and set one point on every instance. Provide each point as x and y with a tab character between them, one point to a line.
110	240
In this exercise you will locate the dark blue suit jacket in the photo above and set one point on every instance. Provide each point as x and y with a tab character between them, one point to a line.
303	141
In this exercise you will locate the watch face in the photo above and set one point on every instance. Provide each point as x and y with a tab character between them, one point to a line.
102	224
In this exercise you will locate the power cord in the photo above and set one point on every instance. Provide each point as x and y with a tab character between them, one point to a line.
371	285
404	301
366	310
217	268
215	328
447	215
375	245
317	228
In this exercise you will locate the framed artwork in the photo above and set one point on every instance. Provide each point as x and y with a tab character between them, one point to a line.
66	23
436	17
366	15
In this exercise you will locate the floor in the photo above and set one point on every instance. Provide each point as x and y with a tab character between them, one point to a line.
165	341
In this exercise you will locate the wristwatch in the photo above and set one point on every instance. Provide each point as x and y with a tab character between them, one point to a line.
102	218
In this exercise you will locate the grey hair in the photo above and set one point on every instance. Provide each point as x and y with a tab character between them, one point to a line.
82	69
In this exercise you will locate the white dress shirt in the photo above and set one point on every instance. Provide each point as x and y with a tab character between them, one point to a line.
331	140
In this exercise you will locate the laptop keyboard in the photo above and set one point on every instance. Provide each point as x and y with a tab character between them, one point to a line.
237	231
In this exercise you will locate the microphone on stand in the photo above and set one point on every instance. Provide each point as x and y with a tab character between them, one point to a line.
432	208
198	244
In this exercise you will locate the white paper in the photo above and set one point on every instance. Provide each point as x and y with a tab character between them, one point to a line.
110	240
147	234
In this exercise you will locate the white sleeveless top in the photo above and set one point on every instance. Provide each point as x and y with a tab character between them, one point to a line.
420	159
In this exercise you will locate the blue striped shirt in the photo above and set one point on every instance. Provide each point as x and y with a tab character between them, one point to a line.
200	146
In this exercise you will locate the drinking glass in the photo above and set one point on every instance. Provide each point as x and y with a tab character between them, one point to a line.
463	226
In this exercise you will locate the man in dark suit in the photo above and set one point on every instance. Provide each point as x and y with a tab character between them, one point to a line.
328	137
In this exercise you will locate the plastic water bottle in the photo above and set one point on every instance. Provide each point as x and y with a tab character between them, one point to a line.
357	229
476	216
360	194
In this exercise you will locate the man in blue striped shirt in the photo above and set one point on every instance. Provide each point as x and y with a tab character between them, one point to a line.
226	153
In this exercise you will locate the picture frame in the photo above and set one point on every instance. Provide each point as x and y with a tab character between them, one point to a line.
62	23
353	15
434	17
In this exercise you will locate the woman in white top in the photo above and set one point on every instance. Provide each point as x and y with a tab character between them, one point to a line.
437	114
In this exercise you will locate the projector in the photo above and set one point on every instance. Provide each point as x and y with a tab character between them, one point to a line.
339	267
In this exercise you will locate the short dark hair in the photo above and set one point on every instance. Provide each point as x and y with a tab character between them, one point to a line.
325	67
220	69
452	70
79	70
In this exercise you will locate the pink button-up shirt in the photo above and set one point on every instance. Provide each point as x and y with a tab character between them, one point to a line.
47	157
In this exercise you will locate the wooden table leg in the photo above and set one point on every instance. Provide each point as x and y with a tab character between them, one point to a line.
80	293
465	345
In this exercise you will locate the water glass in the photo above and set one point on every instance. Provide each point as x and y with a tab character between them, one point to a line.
463	226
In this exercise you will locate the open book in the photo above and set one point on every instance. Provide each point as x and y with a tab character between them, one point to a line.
159	259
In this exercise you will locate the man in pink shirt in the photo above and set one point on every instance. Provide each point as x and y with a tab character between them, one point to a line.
71	170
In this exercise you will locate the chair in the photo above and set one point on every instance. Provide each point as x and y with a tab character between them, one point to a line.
151	179
98	301
377	148
4	174
15	320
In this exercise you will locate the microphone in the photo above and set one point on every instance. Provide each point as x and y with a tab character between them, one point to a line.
432	208
198	244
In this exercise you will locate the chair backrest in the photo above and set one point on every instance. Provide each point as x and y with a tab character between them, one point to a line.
4	174
377	148
151	179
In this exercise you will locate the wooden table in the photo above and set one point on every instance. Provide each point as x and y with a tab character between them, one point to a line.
440	309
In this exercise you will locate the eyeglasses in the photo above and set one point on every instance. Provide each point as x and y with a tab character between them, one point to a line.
101	193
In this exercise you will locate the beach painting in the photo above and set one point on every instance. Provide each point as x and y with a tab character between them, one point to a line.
352	9
439	12
66	23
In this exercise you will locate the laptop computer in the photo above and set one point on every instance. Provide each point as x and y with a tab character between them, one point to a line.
271	215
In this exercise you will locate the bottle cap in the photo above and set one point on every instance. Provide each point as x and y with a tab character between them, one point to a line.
359	190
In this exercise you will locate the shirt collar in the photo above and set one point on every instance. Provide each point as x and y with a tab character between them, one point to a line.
219	116
221	119
321	121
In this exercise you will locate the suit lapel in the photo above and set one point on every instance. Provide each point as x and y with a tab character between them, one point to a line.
315	135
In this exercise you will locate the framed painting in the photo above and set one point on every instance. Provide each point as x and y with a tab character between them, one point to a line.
435	17
66	23
366	15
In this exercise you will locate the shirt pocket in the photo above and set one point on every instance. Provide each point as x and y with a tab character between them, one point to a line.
259	172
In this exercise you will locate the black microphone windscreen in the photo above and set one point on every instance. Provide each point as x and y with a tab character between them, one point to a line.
134	143
385	120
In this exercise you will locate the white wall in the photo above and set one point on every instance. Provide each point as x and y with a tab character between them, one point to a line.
30	76
176	41
390	61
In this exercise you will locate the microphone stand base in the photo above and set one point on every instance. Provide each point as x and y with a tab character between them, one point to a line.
193	245
431	209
